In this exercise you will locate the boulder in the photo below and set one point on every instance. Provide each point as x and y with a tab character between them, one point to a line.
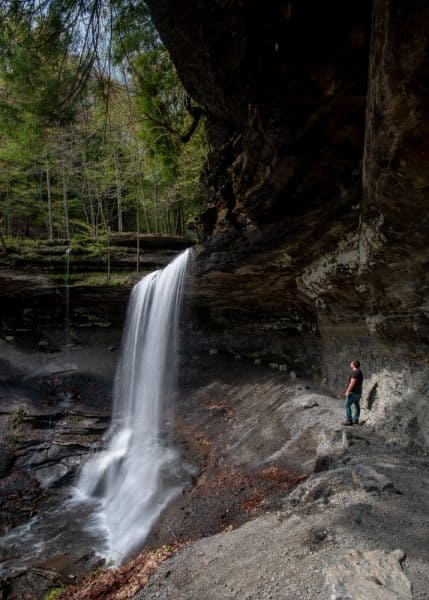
370	575
370	480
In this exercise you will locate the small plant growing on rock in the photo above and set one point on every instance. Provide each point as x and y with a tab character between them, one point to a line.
18	417
97	571
13	440
54	593
76	418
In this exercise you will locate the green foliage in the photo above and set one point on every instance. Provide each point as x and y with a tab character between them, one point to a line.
54	593
133	30
35	76
83	152
76	418
157	91
100	279
160	101
18	417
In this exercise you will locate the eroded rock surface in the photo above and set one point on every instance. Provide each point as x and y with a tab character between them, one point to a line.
362	498
314	244
281	491
54	410
363	575
333	537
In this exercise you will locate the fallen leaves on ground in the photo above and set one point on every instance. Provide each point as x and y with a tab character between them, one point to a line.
120	583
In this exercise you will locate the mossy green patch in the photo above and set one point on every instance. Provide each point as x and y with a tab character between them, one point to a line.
100	279
54	593
18	417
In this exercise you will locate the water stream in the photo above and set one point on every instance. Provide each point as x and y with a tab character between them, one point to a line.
140	471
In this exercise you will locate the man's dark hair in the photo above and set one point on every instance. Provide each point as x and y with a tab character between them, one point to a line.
356	363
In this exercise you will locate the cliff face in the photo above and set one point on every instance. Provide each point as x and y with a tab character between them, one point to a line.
39	280
284	88
314	244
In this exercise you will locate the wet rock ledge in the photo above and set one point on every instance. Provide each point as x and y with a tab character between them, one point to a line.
37	279
287	504
54	409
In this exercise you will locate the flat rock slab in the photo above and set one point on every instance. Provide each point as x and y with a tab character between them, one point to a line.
370	575
54	369
370	480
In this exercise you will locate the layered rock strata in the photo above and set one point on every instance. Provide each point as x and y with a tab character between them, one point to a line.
314	244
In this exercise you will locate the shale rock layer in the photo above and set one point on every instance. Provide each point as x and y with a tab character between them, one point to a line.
314	242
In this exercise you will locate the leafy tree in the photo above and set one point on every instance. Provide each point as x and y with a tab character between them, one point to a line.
92	135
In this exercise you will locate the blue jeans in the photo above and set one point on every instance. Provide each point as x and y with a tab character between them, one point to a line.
352	398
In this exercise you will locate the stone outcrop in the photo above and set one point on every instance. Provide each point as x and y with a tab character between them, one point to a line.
282	494
314	243
250	527
35	285
355	529
283	86
54	409
372	574
52	415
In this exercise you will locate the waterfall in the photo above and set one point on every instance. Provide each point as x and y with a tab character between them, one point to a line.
140	471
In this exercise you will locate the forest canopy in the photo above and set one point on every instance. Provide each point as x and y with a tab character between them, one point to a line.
97	133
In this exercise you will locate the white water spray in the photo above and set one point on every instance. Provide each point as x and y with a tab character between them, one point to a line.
140	472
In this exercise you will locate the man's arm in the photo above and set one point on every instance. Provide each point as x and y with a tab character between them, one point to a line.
352	384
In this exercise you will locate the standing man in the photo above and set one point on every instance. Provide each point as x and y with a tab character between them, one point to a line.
353	393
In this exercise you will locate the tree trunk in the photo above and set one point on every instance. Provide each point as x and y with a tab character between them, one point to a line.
118	192
145	215
138	234
2	242
66	206
48	188
178	218
8	218
168	219
155	208
100	209
91	209
90	202
108	255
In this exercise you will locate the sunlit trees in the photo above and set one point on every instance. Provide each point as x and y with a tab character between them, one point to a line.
92	134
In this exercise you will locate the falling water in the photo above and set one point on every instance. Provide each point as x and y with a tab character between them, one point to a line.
140	472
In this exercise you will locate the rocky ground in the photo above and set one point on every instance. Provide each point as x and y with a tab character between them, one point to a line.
54	409
287	504
359	530
358	527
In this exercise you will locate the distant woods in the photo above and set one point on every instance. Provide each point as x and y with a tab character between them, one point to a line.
93	123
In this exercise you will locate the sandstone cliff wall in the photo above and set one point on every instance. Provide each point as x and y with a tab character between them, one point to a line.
314	243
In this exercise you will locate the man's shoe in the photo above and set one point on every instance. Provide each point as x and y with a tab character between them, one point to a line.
347	423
